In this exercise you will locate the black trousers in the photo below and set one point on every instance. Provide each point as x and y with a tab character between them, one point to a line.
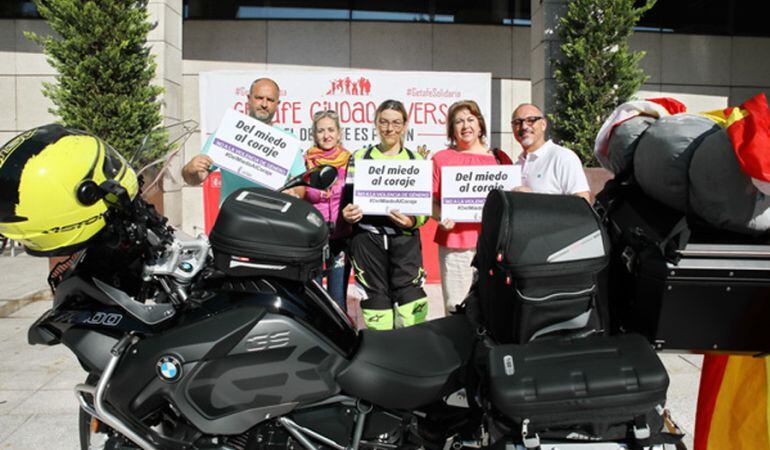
388	269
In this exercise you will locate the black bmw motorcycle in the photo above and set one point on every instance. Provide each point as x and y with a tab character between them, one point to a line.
186	353
227	342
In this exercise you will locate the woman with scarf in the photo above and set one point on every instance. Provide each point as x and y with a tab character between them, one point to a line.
328	150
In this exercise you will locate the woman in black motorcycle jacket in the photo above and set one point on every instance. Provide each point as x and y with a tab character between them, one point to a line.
385	250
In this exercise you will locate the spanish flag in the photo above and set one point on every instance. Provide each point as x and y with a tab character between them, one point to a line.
733	403
733	409
748	128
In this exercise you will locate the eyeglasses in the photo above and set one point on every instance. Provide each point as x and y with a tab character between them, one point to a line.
384	124
531	120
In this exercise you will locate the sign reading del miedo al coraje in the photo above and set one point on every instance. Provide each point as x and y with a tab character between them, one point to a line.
381	186
255	151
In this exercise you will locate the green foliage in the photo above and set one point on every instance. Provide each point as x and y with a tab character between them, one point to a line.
104	71
597	72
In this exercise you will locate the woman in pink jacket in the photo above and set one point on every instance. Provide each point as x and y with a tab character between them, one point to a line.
328	149
467	133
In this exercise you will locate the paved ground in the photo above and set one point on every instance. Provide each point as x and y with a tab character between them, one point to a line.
38	409
22	280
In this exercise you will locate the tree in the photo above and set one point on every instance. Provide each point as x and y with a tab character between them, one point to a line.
105	70
597	72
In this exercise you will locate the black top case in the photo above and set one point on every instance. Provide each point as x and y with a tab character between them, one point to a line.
264	233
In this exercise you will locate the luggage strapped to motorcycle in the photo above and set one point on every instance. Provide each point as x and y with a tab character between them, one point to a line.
669	246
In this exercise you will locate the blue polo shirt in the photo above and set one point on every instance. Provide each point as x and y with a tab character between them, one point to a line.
232	182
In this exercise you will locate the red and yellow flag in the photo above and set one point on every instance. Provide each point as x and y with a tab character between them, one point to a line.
672	105
733	402
733	409
748	128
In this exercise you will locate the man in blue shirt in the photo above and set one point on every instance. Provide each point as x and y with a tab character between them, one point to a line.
263	99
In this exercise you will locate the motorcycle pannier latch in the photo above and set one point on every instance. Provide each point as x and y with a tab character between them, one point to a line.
530	442
642	433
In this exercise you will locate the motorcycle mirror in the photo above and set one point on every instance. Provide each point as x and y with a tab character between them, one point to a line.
322	178
175	136
140	149
319	177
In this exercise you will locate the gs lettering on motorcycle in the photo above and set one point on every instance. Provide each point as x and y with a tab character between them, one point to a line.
267	341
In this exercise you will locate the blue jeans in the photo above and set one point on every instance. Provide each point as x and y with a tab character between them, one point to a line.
338	273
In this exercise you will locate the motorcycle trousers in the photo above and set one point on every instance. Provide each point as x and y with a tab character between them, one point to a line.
389	277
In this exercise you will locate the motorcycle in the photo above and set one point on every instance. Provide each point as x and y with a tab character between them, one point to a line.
185	353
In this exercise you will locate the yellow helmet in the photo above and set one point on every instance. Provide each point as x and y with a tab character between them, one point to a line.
48	188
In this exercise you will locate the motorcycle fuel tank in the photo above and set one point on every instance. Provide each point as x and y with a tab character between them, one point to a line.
229	371
278	363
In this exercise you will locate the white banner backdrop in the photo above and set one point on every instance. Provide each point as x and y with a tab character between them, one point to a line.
354	95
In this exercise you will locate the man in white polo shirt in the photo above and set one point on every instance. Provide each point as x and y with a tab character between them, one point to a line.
545	167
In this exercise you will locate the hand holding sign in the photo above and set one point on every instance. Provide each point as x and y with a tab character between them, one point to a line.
401	220
446	224
352	213
464	189
253	150
198	169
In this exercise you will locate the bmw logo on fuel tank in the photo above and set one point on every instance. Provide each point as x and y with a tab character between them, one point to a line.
169	368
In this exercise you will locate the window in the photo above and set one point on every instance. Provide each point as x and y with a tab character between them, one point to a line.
721	17
498	12
17	9
750	18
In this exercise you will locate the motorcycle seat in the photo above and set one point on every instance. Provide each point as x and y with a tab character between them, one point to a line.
409	367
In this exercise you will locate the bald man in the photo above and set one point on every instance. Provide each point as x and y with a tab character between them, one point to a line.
545	167
263	99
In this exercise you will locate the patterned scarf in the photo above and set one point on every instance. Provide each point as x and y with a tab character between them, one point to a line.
337	157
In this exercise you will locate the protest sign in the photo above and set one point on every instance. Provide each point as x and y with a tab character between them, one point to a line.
384	185
255	151
464	189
